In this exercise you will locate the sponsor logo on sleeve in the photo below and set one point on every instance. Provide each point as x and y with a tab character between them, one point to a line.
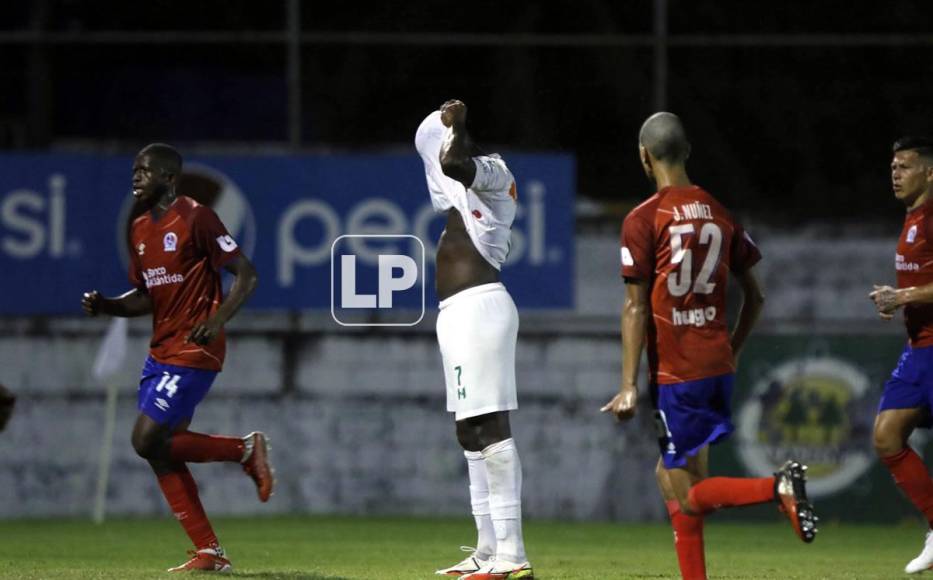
627	259
226	243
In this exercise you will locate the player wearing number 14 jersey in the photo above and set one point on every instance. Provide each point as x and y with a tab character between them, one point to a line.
678	248
179	248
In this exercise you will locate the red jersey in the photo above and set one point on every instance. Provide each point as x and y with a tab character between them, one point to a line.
914	265
177	260
684	243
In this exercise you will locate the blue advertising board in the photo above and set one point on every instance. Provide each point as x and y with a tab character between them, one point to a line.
63	216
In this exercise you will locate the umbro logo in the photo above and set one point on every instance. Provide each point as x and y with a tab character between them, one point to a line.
161	404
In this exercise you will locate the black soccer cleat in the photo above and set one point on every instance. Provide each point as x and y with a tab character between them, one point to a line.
790	491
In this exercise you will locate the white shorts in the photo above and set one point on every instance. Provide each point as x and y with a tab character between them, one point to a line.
477	329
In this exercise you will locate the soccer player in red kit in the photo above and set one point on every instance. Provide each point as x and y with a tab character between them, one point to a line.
179	248
678	248
908	394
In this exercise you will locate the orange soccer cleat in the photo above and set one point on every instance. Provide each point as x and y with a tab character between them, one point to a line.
790	491
256	464
206	560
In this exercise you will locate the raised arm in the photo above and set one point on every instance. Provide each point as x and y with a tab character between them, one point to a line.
635	314
131	304
456	150
753	301
243	286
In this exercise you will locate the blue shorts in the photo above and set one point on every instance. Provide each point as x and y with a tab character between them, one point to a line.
692	415
911	383
168	394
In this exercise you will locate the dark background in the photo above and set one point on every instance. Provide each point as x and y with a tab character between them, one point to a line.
791	106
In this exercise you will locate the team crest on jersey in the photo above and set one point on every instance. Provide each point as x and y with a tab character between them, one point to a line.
141	248
912	234
170	242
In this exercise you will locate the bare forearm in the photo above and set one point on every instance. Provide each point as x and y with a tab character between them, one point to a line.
748	316
131	304
753	301
914	295
634	326
243	287
455	158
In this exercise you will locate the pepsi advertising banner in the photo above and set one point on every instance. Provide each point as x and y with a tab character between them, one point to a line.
324	231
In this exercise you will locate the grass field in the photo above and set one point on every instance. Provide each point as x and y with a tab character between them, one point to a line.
388	549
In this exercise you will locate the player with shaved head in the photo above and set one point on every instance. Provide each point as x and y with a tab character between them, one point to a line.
908	395
179	249
678	249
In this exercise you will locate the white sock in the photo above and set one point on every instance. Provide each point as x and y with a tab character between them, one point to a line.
479	501
504	471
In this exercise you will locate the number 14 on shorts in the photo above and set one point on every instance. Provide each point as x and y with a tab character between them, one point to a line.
461	391
169	382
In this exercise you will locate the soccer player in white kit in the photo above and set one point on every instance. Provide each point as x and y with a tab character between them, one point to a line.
477	328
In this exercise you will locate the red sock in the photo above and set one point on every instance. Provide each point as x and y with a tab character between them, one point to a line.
181	491
719	492
911	475
688	541
190	447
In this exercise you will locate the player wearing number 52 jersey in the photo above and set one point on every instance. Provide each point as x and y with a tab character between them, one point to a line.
179	248
677	251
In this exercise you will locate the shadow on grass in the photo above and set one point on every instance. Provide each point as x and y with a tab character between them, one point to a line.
287	576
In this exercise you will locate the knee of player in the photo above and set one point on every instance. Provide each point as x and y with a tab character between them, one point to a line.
469	436
659	475
145	446
886	442
686	508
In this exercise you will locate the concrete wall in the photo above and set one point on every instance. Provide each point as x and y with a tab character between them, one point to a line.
357	417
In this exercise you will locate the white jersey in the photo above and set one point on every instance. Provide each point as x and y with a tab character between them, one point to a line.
487	206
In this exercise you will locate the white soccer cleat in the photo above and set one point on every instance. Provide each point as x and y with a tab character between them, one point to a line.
469	564
924	561
502	570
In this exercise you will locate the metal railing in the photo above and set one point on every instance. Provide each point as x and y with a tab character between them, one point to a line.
292	39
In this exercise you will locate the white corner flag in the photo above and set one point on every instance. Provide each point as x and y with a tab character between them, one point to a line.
107	364
112	351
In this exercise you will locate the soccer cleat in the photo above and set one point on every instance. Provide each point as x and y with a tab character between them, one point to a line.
467	565
256	464
502	570
924	561
206	560
790	491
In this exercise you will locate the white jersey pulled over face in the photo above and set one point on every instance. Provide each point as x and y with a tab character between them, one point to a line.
487	206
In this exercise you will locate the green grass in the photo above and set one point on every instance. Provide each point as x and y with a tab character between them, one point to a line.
329	548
